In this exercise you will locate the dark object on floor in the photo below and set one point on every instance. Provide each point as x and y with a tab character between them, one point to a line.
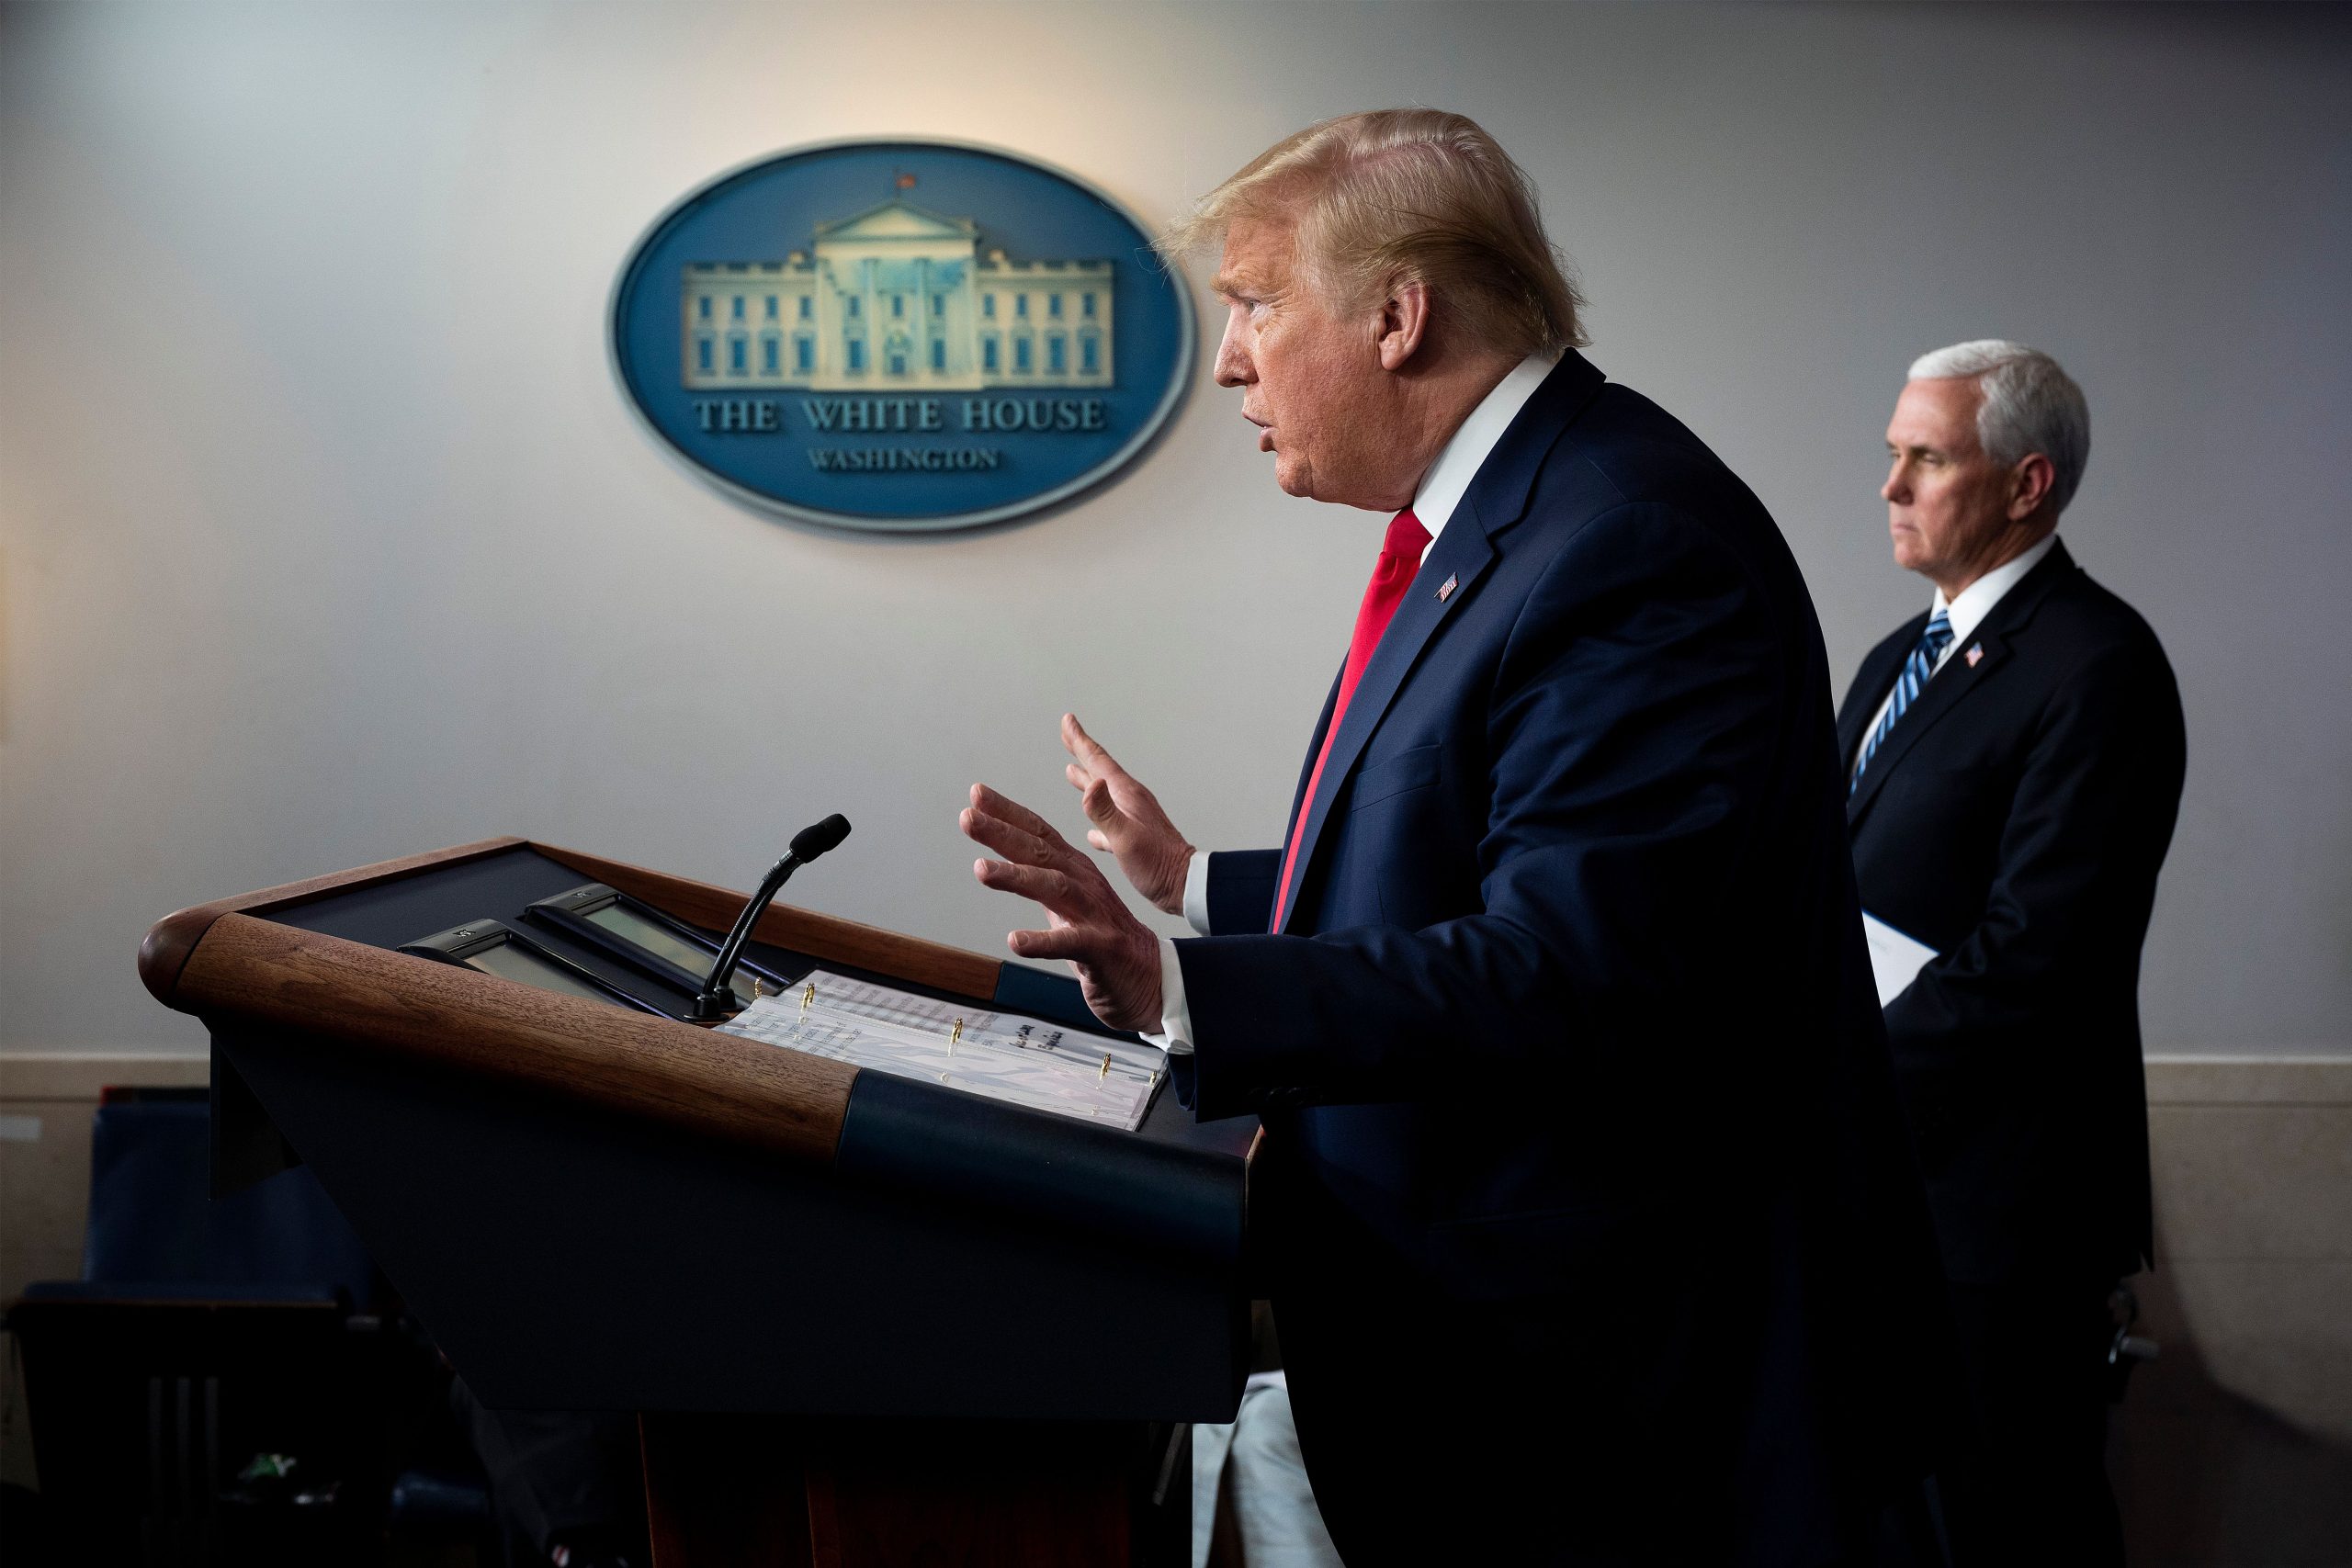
564	1487
26	1539
205	1334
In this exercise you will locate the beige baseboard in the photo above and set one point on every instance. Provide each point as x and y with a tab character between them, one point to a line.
2308	1078
84	1074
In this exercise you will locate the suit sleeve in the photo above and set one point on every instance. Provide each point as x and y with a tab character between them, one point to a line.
1639	703
2085	835
1241	890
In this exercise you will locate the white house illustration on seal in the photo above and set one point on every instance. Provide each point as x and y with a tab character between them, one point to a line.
897	297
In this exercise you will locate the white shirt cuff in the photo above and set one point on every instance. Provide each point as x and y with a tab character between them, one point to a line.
1175	1035
1196	893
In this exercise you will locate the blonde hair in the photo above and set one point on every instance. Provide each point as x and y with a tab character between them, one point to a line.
1389	194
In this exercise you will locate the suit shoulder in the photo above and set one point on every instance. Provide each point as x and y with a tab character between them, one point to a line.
2093	622
1625	454
1628	488
1650	456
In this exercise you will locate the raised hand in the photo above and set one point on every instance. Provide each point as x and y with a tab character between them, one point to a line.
1116	956
1128	820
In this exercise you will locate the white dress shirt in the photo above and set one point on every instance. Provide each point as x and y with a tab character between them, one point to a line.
1966	613
1441	489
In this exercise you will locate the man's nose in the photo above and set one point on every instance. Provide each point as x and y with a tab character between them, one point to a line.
1233	367
1895	489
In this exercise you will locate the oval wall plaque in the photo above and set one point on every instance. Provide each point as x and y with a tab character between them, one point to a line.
901	334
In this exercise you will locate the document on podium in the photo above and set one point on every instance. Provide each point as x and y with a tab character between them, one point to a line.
1022	1061
1895	958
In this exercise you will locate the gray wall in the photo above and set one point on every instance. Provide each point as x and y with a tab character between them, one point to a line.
327	537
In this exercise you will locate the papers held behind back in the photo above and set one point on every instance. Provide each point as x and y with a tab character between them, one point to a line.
1895	958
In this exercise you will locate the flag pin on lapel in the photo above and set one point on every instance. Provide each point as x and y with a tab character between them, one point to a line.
1445	590
1976	652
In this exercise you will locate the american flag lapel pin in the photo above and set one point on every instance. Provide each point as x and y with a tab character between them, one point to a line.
1976	652
1445	591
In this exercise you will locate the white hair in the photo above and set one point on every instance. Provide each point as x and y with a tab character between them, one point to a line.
2029	405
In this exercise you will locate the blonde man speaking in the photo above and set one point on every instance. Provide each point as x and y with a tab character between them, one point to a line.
1583	1183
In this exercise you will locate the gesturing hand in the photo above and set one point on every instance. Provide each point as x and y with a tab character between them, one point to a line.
1116	956
1128	820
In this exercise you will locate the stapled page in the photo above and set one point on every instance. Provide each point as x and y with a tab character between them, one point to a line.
1025	1061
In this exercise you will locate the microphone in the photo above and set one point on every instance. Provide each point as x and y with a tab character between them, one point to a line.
715	1000
813	841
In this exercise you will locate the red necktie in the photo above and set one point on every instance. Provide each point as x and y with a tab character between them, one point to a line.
1400	557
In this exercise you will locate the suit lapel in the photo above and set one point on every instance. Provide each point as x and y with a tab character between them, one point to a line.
1315	745
1944	691
1460	553
1497	499
1951	684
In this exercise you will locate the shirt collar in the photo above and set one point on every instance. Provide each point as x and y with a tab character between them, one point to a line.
1465	452
1976	600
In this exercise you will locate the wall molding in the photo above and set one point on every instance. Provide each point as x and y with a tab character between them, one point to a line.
83	1075
2306	1077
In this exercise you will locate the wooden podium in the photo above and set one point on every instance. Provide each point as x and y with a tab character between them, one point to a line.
864	1319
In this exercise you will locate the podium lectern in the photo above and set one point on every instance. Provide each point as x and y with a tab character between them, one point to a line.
864	1319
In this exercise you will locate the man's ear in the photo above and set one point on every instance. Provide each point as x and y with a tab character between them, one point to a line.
2029	486
1403	322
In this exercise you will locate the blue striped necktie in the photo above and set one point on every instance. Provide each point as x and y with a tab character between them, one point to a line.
1907	686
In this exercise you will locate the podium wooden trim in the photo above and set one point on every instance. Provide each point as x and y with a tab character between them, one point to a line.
168	944
220	957
704	1082
341	1048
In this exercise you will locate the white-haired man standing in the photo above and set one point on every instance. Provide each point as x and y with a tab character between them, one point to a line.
2013	757
1583	1190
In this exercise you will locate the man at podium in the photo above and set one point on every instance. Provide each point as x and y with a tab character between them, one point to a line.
1589	1226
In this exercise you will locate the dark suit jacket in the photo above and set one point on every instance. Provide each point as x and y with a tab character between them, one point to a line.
2013	820
1570	1025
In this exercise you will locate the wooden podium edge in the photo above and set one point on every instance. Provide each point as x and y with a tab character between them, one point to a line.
260	972
222	958
164	952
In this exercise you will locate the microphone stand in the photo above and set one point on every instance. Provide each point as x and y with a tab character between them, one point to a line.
715	1000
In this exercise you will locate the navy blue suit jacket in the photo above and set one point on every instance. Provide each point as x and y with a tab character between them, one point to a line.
2014	820
1570	1025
